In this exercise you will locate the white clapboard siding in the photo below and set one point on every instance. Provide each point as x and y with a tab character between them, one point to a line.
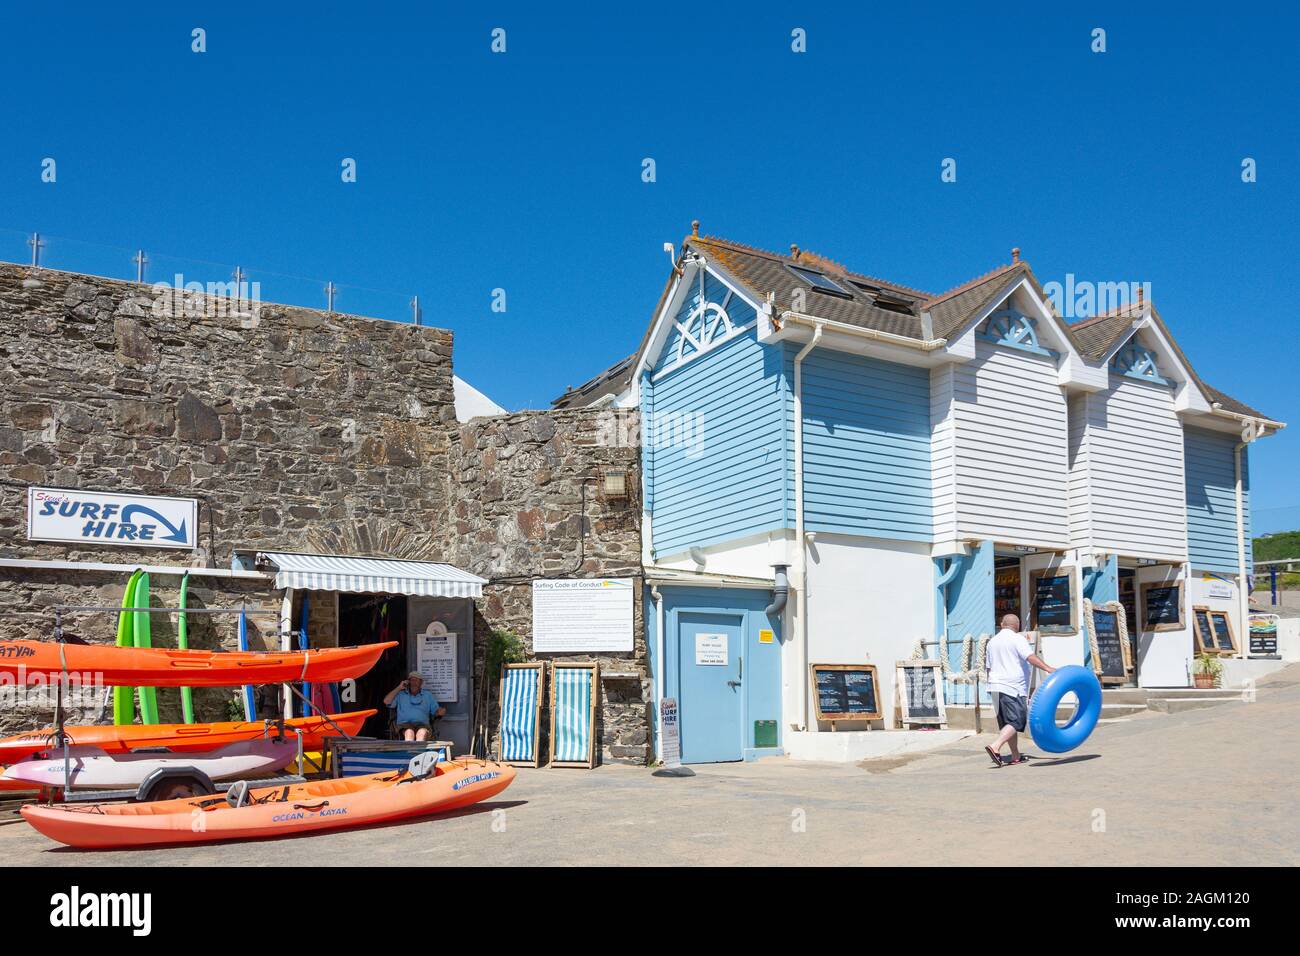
1136	489
1010	454
1079	486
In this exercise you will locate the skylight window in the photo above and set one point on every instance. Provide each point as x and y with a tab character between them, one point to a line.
820	282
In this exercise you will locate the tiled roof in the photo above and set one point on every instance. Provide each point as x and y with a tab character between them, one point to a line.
609	382
951	310
1098	335
878	304
763	272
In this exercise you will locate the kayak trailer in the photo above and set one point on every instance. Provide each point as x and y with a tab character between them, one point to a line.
168	782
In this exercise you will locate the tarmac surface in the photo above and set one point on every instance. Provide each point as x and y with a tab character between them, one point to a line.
1214	786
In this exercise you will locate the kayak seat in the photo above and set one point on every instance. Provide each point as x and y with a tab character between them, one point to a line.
423	765
237	795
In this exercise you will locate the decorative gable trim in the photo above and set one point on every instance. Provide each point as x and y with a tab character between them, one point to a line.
716	316
1135	360
1014	329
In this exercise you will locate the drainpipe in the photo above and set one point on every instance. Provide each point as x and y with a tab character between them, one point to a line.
780	592
801	544
954	565
659	671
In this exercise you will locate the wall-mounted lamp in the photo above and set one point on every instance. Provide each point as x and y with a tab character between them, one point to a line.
614	484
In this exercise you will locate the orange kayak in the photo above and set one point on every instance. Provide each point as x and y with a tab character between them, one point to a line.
123	738
273	811
32	662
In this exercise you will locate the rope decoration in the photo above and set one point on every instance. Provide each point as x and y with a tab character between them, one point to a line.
969	670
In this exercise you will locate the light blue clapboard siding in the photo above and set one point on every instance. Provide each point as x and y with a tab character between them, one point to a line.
1212	501
866	446
715	447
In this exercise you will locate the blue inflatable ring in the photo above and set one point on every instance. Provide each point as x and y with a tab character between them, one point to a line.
1042	709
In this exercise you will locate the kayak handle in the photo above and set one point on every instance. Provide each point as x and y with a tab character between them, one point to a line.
320	806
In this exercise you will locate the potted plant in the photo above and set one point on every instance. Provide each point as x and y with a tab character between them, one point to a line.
1208	671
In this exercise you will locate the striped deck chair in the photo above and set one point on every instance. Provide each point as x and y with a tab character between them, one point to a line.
574	688
521	712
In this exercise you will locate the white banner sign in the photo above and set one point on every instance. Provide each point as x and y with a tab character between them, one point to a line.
670	743
435	656
92	517
582	615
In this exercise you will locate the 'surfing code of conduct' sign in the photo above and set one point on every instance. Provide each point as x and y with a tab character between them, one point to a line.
92	517
576	615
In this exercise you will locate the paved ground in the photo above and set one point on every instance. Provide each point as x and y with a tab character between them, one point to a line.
1214	786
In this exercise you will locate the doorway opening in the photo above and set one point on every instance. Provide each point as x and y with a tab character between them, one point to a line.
375	619
1006	589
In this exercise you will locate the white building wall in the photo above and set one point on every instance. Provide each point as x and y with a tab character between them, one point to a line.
1011	448
1135	470
870	601
1165	657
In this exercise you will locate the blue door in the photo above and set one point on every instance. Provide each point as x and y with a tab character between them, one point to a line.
710	656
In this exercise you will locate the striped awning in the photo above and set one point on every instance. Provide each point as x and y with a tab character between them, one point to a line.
331	572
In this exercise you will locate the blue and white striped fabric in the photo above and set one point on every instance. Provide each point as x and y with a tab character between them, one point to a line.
573	716
519	714
330	572
379	761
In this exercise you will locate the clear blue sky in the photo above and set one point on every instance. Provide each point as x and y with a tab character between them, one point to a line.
523	170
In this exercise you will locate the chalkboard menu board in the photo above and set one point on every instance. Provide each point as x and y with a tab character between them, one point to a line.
1162	607
1109	660
1263	633
920	687
1204	632
1223	640
1053	604
846	691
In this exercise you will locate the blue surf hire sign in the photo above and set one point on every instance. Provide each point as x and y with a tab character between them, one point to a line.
93	517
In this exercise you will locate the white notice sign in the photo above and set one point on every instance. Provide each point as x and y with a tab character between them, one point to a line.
577	616
711	649
435	656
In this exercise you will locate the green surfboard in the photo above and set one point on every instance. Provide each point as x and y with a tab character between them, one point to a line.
148	695
183	642
124	697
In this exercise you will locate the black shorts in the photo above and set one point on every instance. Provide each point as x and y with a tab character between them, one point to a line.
1013	711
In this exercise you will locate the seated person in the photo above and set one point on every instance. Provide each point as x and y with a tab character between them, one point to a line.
415	708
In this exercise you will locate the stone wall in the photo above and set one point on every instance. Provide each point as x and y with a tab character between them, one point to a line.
529	505
296	429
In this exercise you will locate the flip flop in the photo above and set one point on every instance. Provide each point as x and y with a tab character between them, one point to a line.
993	754
1021	759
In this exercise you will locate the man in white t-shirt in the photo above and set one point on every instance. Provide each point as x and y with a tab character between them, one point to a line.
1007	658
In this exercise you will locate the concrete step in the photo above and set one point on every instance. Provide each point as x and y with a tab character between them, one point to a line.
1177	705
1140	695
962	717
